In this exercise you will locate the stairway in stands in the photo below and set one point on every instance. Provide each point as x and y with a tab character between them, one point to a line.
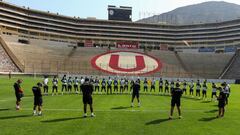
233	71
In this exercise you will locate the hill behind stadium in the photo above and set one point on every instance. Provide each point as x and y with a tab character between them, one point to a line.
207	12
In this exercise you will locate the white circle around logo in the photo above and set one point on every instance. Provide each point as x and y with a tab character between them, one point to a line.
125	62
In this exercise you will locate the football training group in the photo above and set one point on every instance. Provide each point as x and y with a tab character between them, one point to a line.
87	86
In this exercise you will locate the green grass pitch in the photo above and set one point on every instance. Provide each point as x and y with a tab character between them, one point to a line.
63	114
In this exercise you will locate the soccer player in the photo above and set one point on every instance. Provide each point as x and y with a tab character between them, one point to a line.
214	91
87	90
176	94
115	83
198	87
122	82
55	85
160	85
166	90
45	85
145	85
103	85
64	83
109	86
82	80
69	83
18	93
126	85
185	87
37	99
131	85
191	86
227	91
96	82
221	102
153	82
172	85
135	92
204	90
75	84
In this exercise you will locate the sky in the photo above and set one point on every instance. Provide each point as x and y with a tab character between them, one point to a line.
98	8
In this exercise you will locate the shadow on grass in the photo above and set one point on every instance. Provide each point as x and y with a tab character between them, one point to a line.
4	109
206	101
207	119
62	119
14	117
120	107
158	121
211	111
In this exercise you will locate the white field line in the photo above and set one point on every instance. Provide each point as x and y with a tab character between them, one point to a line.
119	110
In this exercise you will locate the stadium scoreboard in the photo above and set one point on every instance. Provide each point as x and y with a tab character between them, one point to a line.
121	13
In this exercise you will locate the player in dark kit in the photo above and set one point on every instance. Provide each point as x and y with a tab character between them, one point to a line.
135	92
55	85
64	83
161	85
221	102
185	87
103	85
18	93
37	99
126	85
87	90
204	90
166	87
176	94
145	85
115	83
198	87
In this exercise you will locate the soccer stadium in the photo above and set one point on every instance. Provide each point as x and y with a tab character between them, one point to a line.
116	56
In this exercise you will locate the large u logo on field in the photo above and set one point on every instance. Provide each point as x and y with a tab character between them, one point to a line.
127	63
114	64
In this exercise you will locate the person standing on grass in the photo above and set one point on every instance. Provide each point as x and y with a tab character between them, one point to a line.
37	99
122	82
64	83
153	83
198	87
214	91
109	86
96	83
87	90
115	83
69	83
160	85
135	92
185	87
221	102
103	85
45	85
176	94
55	85
226	91
18	93
204	90
145	85
191	86
166	90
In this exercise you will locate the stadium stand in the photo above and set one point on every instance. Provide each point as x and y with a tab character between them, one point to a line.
233	69
204	64
6	64
44	42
